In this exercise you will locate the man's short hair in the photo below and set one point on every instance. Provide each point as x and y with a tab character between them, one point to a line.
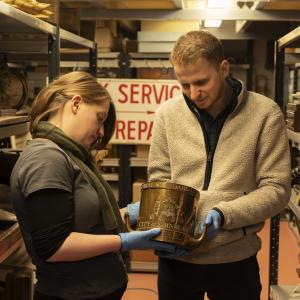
194	45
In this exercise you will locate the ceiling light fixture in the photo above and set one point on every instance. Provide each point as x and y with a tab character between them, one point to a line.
212	23
215	4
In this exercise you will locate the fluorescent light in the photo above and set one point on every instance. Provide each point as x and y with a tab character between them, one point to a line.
191	4
212	23
217	3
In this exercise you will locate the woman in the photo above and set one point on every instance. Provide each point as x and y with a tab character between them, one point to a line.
69	218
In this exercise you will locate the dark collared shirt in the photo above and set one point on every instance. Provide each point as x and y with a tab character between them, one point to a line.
213	126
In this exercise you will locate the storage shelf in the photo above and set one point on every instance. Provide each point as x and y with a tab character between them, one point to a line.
10	240
13	20
38	46
138	162
134	162
110	162
281	292
74	64
74	38
289	38
102	63
24	18
293	205
13	126
111	176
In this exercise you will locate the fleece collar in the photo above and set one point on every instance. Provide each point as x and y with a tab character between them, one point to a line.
234	101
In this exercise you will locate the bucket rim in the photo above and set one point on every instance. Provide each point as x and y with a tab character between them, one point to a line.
169	186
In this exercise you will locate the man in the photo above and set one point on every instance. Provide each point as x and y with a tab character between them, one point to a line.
231	145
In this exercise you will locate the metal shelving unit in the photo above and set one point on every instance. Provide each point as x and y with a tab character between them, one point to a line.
138	162
22	33
110	162
292	39
13	125
111	176
31	39
11	14
41	40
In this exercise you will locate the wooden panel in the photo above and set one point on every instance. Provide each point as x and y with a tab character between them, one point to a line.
126	4
138	4
10	240
155	73
282	5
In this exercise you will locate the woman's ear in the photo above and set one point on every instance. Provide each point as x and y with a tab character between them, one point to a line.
75	103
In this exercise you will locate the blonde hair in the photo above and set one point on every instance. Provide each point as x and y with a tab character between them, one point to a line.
194	45
52	99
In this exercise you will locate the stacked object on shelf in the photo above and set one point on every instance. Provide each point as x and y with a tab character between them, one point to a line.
13	89
33	7
8	112
293	113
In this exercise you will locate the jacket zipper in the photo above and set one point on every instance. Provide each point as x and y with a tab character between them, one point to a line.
208	169
209	155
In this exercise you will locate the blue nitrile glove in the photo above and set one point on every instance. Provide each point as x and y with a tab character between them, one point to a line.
143	240
177	253
133	210
213	221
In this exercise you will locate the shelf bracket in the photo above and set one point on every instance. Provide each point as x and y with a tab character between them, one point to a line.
53	55
93	60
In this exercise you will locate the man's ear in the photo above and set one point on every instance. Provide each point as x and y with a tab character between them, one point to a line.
75	103
225	68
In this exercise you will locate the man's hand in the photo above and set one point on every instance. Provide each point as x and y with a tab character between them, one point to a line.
133	210
213	222
144	240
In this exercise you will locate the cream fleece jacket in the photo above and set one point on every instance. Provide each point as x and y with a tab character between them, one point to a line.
250	180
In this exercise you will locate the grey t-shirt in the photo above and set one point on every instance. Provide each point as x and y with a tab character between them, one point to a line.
43	165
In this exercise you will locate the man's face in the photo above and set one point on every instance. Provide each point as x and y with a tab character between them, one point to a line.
204	84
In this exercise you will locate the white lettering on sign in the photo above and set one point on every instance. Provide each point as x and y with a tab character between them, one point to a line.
136	101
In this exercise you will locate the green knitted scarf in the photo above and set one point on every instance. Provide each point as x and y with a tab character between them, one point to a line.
109	208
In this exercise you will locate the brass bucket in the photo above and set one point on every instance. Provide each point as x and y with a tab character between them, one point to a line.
170	207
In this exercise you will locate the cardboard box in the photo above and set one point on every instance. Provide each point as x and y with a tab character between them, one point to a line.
142	151
69	19
155	73
136	191
88	29
104	39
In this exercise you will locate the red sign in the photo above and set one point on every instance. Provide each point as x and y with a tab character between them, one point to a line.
136	101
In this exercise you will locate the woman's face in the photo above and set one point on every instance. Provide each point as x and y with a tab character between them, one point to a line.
87	123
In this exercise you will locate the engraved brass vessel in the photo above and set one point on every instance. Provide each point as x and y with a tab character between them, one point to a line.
172	208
